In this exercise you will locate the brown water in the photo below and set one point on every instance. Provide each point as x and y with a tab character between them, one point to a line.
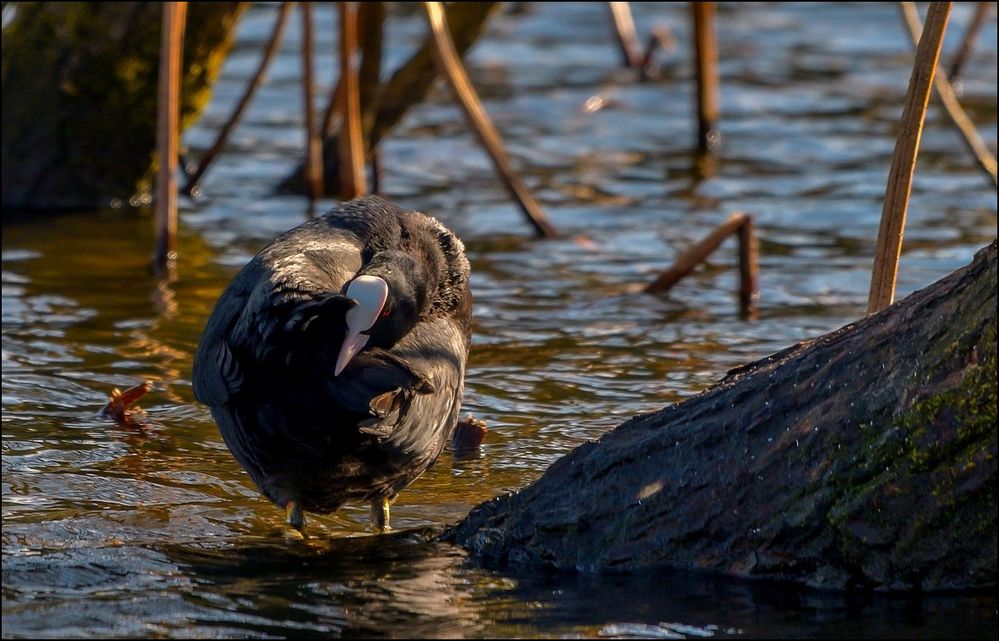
153	530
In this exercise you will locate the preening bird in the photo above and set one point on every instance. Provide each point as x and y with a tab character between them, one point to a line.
334	361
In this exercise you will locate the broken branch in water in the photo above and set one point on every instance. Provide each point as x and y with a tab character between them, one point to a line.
741	224
119	402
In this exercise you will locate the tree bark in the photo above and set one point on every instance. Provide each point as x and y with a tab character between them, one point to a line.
865	457
79	96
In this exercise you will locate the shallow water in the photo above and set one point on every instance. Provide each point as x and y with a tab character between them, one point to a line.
153	529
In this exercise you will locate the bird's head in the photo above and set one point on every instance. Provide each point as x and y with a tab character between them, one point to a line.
390	292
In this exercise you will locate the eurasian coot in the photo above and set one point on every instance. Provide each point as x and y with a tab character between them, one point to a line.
334	361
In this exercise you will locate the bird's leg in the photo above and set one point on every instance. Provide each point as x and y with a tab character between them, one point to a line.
380	514
293	511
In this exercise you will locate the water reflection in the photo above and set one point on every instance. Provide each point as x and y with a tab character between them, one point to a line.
403	584
152	529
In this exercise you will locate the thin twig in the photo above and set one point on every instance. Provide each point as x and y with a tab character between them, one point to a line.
903	163
352	179
313	146
451	65
945	90
740	224
706	63
265	60
970	35
624	29
168	134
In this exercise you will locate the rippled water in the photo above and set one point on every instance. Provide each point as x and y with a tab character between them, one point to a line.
154	530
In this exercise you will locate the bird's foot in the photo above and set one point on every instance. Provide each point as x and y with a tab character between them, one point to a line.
295	517
380	514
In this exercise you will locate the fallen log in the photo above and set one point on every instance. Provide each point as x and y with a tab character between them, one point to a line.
863	458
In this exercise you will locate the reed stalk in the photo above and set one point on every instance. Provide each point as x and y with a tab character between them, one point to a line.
968	42
903	164
313	146
945	90
450	64
352	178
706	73
167	135
624	29
749	268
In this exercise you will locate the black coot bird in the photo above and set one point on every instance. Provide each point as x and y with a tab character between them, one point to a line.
334	361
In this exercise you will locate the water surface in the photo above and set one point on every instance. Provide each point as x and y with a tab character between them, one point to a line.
153	530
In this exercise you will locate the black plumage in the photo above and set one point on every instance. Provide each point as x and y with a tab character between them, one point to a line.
313	439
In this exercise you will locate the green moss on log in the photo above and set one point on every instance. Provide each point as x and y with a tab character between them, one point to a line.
927	471
863	458
79	96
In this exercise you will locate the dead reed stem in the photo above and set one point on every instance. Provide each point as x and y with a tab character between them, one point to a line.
903	164
706	63
624	29
968	42
265	60
749	268
450	64
313	146
738	223
945	90
352	178
369	19
168	134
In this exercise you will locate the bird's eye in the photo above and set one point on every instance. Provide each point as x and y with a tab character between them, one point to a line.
385	312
